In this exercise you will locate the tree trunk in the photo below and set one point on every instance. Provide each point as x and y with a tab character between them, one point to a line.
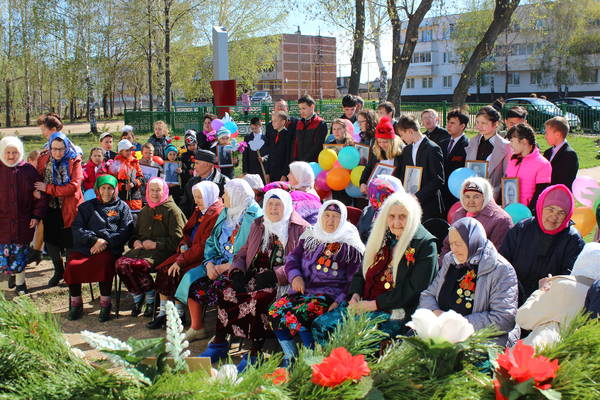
112	102
167	11
359	44
27	95
502	14
7	104
401	55
149	54
72	110
376	41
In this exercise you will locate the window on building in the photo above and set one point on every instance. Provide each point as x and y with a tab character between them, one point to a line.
486	79
426	35
447	81
410	83
535	78
447	57
427	82
514	78
592	76
421	57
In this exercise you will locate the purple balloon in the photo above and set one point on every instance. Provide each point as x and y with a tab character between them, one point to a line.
216	124
321	181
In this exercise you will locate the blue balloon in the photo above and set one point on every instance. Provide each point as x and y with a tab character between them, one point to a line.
353	191
456	179
349	157
518	212
231	126
316	168
89	194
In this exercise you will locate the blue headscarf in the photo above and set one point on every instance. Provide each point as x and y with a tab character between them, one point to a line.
473	234
60	168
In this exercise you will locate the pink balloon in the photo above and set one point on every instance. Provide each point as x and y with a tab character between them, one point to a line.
586	190
216	124
321	181
453	211
337	165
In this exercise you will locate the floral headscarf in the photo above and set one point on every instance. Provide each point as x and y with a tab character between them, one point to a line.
381	187
60	168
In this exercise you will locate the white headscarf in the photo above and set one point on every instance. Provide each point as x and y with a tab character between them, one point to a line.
346	233
279	228
254	180
209	191
11	141
482	184
241	195
376	238
303	173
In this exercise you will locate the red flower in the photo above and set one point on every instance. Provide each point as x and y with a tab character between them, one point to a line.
279	376
339	367
177	138
410	256
522	366
499	395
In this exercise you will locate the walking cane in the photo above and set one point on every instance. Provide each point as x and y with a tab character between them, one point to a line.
262	166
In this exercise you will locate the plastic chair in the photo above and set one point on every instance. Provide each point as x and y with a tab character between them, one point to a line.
354	215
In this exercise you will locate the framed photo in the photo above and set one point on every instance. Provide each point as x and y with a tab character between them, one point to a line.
381	169
479	167
334	146
224	156
171	175
363	150
149	172
412	179
510	191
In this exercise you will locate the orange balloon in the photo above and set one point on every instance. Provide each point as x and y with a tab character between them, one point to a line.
585	220
338	178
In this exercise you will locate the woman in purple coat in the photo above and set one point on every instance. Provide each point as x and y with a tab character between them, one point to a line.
20	210
320	270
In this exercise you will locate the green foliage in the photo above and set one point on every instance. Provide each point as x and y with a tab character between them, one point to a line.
359	334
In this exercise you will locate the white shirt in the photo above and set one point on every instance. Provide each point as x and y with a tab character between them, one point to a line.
556	148
415	148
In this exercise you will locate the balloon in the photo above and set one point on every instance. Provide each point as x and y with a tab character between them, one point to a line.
216	124
138	155
89	194
158	160
353	191
324	194
349	157
316	168
456	179
338	178
327	158
452	211
356	174
231	127
321	182
518	212
585	220
337	164
586	190
356	134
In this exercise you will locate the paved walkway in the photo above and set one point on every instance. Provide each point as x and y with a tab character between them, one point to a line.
592	172
82	127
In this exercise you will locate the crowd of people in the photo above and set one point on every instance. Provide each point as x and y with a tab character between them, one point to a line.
275	257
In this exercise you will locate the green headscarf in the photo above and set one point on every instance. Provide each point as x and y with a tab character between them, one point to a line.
105	180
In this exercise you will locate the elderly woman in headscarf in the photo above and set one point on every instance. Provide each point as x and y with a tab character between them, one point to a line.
547	244
200	286
559	299
477	201
20	211
379	189
254	276
320	270
475	281
190	252
304	196
61	169
102	228
400	262
158	231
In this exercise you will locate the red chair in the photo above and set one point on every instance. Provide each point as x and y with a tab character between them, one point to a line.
354	215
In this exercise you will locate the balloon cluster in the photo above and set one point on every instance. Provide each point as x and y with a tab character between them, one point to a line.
587	191
338	171
227	123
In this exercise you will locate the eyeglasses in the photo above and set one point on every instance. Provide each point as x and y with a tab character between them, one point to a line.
58	149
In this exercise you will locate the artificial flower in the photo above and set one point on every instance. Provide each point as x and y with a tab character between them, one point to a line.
279	376
227	373
339	367
449	326
522	366
410	256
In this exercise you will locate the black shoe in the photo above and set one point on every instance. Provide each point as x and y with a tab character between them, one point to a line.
75	313
55	280
105	314
21	290
136	309
12	281
159	322
148	309
34	256
183	319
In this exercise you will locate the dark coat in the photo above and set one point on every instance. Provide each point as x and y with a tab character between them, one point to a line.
160	144
453	161
410	280
96	220
309	138
187	166
187	201
365	223
279	149
373	161
439	136
430	157
17	204
250	163
592	300
535	254
564	165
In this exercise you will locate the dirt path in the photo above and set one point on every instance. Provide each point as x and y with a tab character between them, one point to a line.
82	127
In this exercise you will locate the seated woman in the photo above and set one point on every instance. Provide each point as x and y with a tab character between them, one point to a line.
101	229
475	281
304	196
158	231
477	201
190	252
544	244
380	188
200	286
400	262
320	269
255	273
559	299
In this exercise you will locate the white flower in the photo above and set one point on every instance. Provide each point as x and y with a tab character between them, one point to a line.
449	326
176	343
227	372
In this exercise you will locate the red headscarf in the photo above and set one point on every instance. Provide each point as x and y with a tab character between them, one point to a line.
557	195
165	194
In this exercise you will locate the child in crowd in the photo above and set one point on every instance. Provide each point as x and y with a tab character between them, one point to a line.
342	130
226	159
106	143
127	133
160	139
126	169
33	157
250	161
187	157
93	168
172	172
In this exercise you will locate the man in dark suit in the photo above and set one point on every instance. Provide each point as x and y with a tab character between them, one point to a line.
455	155
562	156
424	153
439	136
279	145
